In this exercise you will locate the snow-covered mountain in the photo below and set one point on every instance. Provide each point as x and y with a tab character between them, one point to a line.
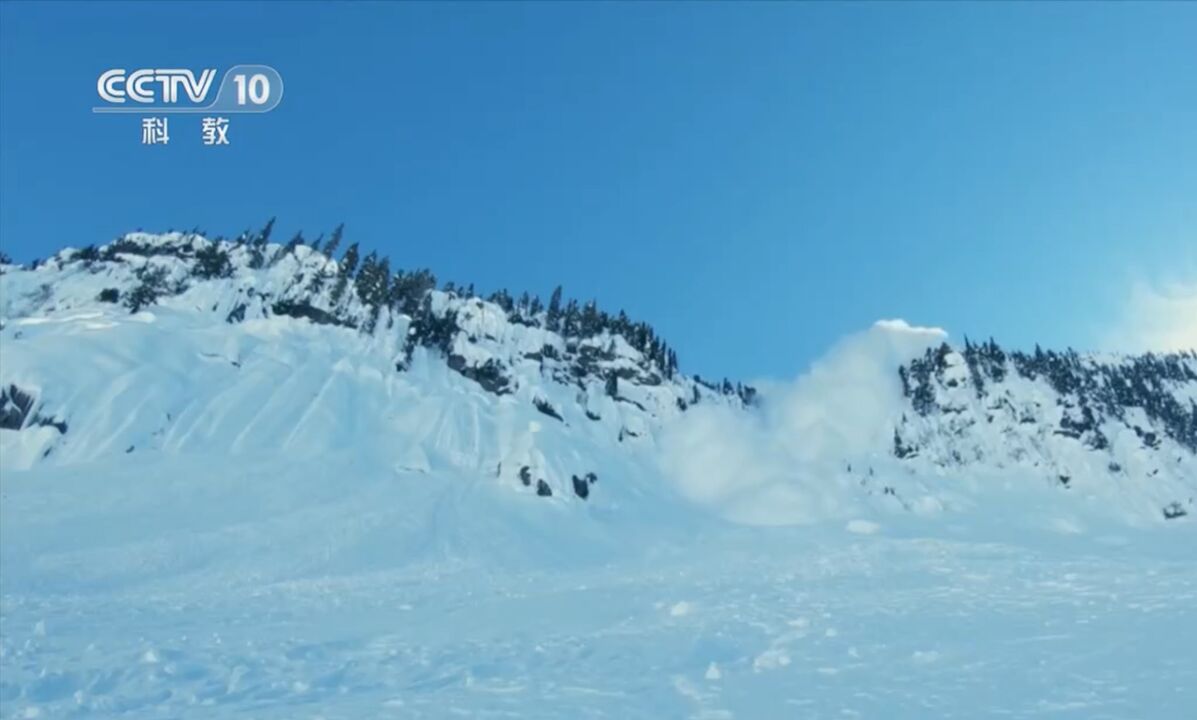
239	479
1125	423
180	345
177	345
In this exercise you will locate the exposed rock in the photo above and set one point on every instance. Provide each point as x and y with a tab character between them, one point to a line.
1173	511
309	312
17	411
15	407
237	314
490	375
581	487
545	407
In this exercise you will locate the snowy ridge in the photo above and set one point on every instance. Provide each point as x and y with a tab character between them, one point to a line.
178	345
1125	426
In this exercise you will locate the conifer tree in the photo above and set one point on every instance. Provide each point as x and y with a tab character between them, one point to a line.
396	289
382	278
552	319
263	237
334	242
212	262
365	279
589	323
349	261
345	272
294	243
147	292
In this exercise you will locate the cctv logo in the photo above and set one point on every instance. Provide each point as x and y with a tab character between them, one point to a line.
149	86
242	89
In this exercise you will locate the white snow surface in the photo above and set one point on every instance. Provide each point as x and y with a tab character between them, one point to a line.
267	519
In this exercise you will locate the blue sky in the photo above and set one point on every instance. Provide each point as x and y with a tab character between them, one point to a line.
756	180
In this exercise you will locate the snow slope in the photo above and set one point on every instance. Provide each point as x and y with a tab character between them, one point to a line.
337	588
214	367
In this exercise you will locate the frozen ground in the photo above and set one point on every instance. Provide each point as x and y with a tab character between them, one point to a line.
167	590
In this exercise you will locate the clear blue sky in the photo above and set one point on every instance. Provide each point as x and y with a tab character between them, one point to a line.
756	180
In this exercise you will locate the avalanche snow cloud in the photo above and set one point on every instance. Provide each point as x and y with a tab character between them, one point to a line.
1158	318
775	467
245	479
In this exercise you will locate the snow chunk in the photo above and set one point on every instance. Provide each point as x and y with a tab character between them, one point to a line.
862	527
771	659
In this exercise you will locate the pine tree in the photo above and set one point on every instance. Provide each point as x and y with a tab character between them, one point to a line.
349	261
345	271
571	320
263	237
619	326
212	261
382	277
334	242
372	287
257	246
147	292
654	352
408	290
503	300
589	324
294	243
365	279
552	319
395	290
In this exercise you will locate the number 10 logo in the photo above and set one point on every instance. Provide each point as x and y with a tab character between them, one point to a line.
256	89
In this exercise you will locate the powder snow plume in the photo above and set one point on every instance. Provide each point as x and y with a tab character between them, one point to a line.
772	468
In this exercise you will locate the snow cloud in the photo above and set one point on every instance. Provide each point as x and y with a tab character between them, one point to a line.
778	466
1157	318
